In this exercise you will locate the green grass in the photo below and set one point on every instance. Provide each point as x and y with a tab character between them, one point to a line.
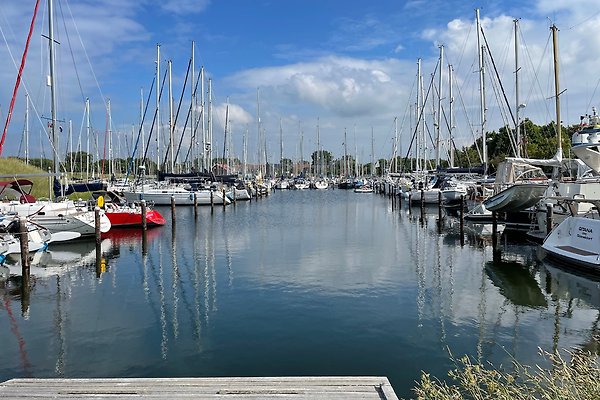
15	167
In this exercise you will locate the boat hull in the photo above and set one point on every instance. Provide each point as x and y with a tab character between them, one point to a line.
576	241
516	197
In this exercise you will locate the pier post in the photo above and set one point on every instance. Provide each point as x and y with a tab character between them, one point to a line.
195	205
98	241
97	232
234	195
549	218
422	202
212	200
400	199
494	229
462	219
440	206
223	193
24	242
173	215
144	222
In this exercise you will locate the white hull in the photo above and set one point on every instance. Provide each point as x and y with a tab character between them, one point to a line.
59	217
431	196
162	197
577	241
517	197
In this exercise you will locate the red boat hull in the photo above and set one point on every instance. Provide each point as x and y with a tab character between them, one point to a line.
127	219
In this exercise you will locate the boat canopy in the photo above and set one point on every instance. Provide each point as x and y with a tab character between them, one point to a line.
19	189
513	170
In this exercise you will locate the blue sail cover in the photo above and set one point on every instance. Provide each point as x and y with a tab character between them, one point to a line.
65	190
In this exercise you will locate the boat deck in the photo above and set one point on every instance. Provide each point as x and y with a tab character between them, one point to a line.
201	388
578	251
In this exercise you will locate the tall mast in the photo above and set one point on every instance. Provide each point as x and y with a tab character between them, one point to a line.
26	128
395	152
517	105
419	119
258	129
171	121
372	153
281	147
110	140
157	107
193	108
482	94
209	151
319	169
451	116
556	87
203	121
141	122
346	165
53	134
225	132
439	109
245	152
88	132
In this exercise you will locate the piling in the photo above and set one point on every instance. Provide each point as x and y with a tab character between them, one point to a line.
440	206
494	229
97	232
234	194
223	193
195	205
422	202
212	200
409	201
549	218
24	242
144	222
462	219
400	199
173	215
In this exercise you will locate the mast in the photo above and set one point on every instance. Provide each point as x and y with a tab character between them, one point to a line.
451	116
142	122
111	167
556	88
26	128
225	133
245	152
482	94
281	147
517	104
87	127
157	107
419	146
439	109
171	121
209	151
53	134
395	152
346	166
319	167
259	141
372	153
193	108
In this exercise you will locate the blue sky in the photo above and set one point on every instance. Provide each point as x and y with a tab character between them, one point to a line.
351	64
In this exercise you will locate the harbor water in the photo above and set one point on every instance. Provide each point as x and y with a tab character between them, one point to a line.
305	283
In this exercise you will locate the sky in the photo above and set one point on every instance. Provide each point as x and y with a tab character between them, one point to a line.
345	69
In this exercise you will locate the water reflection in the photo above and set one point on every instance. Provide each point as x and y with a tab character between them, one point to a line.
516	282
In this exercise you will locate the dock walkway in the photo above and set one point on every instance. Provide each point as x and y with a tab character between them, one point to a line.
321	388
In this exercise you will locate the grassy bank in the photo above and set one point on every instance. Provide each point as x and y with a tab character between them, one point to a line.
14	168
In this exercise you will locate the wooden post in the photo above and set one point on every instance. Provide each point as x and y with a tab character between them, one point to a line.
400	199
195	205
212	200
234	194
98	242
144	221
24	241
223	192
462	219
173	215
97	231
494	228
440	205
422	202
549	218
409	201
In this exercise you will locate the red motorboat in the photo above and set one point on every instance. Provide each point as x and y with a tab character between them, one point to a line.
123	215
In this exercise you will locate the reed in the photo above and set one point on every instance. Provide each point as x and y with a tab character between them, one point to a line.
571	374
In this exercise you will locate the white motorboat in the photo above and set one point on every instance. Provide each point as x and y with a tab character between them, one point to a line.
518	186
576	240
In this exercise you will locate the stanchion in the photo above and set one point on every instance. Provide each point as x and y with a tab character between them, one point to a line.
195	205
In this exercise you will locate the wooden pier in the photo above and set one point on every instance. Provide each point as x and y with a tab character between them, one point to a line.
342	387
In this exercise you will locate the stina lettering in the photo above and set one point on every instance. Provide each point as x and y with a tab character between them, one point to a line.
585	229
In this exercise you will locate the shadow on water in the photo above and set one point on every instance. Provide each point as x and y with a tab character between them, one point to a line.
516	283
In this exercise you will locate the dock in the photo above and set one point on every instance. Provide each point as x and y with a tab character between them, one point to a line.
338	387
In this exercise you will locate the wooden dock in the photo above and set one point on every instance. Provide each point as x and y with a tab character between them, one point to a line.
321	388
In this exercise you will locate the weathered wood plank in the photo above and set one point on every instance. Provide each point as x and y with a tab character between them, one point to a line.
201	388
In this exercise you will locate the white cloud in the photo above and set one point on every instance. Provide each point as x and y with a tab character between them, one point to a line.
183	7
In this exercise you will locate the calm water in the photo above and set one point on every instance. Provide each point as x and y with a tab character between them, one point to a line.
299	283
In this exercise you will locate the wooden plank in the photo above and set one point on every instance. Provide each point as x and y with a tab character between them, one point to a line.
201	388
